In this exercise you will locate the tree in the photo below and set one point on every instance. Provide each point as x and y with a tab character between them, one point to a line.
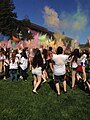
7	17
26	22
26	25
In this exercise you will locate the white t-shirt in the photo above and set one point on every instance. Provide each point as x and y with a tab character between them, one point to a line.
59	66
84	56
24	63
2	57
13	65
19	56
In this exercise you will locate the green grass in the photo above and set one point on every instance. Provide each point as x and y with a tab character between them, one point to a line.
17	102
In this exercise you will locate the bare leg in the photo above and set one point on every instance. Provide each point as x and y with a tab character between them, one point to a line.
84	73
44	76
35	80
73	78
88	85
37	84
30	66
57	88
64	85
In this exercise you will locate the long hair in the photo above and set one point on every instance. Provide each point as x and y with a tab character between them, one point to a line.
37	60
45	53
23	54
13	57
75	55
85	52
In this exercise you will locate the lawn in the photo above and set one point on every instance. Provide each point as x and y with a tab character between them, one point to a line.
17	102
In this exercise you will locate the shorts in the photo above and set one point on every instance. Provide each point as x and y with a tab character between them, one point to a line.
59	78
79	69
37	71
75	68
83	63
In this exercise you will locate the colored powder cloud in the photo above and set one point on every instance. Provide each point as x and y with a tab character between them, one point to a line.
76	21
51	17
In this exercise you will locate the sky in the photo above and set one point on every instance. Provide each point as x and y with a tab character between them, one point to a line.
68	16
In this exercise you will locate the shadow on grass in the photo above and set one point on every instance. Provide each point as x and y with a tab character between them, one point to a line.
68	79
1	75
52	85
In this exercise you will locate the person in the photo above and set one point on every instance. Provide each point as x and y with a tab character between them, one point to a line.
37	64
59	69
18	55
31	55
2	57
6	65
83	63
73	58
13	66
23	65
87	82
49	68
44	73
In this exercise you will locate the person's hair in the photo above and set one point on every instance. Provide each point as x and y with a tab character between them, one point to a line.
76	52
45	53
16	51
50	48
75	55
85	52
23	54
59	50
37	60
13	57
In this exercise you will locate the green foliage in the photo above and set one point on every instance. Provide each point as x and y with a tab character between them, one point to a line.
7	17
26	24
17	102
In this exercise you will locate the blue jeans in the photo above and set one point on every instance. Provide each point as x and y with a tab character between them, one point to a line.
13	74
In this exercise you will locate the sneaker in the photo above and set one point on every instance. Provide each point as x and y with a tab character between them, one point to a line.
4	78
21	77
65	91
58	94
25	80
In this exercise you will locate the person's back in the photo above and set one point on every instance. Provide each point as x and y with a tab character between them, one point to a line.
37	70
59	69
59	64
73	58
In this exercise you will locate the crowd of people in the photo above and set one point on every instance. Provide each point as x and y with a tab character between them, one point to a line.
41	62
